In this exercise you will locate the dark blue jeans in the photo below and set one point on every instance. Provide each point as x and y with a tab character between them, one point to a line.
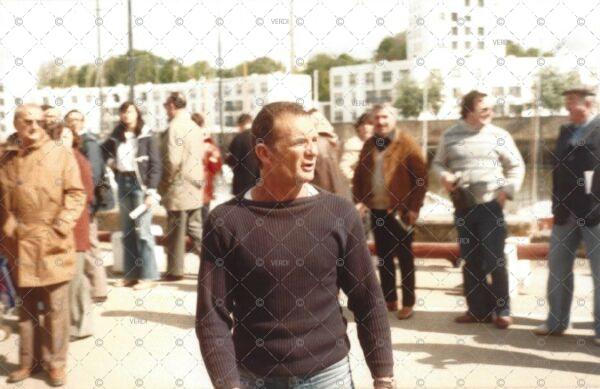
139	262
481	233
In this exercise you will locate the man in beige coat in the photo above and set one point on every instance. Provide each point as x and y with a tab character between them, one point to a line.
41	197
182	183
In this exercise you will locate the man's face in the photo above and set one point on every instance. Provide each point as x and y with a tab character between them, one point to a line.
75	121
170	108
294	154
51	116
578	107
29	125
385	122
482	113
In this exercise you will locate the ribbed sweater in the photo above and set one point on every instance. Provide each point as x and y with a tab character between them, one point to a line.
276	269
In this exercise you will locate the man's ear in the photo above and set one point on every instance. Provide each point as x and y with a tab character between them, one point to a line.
263	154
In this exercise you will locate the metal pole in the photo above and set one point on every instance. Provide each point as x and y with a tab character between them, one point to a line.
316	88
425	129
292	48
130	54
535	141
100	70
220	74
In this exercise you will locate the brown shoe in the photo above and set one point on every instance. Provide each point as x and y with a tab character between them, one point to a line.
468	318
99	299
392	306
503	322
170	278
19	375
123	283
405	313
57	377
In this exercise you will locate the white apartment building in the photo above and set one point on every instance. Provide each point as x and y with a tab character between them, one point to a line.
240	94
456	38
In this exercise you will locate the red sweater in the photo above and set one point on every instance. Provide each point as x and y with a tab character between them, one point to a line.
81	231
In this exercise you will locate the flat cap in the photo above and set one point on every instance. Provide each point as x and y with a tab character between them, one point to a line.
580	89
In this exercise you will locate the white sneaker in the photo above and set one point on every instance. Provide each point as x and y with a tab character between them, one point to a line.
543	330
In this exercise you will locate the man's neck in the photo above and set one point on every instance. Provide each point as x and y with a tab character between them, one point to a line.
475	125
274	191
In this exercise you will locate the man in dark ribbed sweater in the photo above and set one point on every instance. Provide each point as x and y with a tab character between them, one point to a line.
273	261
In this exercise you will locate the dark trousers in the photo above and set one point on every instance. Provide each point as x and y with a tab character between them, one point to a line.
481	233
179	225
391	240
44	326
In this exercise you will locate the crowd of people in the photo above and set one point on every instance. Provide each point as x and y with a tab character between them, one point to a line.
276	255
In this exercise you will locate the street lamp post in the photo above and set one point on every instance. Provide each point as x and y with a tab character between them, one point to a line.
131	72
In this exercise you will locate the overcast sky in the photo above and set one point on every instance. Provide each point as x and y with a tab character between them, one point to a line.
35	32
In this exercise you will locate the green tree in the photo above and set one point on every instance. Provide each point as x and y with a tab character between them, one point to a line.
410	98
49	74
517	50
553	83
261	65
201	69
323	62
435	99
392	48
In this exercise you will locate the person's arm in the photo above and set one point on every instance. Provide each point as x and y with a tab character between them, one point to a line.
417	168
94	156
357	279
74	196
513	166
214	308
232	158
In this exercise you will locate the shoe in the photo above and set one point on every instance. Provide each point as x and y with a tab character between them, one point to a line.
73	338
543	330
468	318
405	313
57	377
19	375
392	306
171	278
123	283
99	299
143	284
503	322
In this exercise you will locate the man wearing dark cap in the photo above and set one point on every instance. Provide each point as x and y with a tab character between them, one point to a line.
576	208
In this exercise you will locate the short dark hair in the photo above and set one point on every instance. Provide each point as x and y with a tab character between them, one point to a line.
55	131
266	121
73	111
468	102
177	99
45	107
244	119
198	119
363	119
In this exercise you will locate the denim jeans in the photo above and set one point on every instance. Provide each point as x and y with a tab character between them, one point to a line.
139	262
481	232
564	242
336	376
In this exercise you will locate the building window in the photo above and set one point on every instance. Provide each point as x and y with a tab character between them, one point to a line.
238	89
467	45
1	88
337	81
386	95
74	99
468	30
481	3
443	16
144	96
515	91
455	45
516	110
339	116
369	78
46	101
1	101
456	93
468	18
454	16
454	30
263	87
386	76
480	30
229	122
498	91
116	98
88	99
352	79
467	3
481	45
499	110
371	97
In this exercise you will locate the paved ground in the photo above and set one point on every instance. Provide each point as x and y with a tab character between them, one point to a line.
145	339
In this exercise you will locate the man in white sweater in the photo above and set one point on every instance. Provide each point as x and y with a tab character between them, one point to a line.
481	167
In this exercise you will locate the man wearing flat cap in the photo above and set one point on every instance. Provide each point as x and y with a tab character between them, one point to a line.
576	208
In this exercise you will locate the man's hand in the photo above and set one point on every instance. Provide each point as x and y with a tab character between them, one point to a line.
502	196
448	181
361	208
383	383
411	217
149	201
